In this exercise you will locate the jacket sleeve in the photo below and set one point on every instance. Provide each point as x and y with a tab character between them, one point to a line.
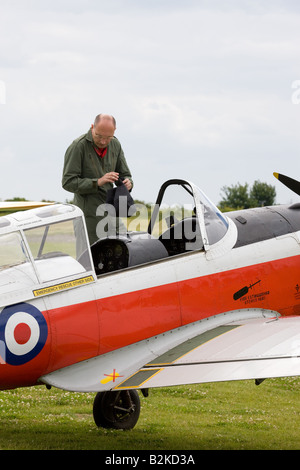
122	167
72	179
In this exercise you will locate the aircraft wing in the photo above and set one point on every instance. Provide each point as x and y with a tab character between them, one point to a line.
13	206
231	346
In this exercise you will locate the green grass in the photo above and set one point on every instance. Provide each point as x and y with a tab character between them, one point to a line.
231	415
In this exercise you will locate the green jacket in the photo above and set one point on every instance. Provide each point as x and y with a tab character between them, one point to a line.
83	167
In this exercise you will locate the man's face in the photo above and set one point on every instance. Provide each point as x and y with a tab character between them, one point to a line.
102	133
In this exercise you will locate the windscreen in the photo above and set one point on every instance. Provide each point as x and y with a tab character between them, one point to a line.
12	250
63	245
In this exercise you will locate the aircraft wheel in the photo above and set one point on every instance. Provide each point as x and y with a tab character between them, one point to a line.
117	410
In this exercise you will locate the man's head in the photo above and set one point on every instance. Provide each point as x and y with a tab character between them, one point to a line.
103	130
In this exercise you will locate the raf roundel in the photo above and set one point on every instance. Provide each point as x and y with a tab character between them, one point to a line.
23	333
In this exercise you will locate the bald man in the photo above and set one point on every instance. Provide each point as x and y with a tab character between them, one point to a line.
93	162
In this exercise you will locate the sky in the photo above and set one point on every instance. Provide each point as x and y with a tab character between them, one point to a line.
204	90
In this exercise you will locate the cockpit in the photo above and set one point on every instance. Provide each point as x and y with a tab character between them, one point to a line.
182	220
46	249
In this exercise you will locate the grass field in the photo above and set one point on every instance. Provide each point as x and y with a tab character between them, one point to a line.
231	415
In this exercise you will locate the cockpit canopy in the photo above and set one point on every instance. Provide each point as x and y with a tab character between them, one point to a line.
45	245
182	220
185	201
40	246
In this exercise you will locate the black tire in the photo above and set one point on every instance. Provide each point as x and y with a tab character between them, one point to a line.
116	410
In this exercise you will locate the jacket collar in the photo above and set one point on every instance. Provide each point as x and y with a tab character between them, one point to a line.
89	136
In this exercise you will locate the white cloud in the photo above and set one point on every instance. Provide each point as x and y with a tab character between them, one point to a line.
198	87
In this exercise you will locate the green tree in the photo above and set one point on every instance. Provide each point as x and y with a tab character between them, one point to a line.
243	197
16	199
262	194
235	197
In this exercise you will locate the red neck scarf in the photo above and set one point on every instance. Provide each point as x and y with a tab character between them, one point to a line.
101	152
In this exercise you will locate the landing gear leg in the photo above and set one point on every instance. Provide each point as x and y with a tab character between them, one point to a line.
117	410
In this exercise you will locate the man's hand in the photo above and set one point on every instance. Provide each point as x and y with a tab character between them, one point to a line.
127	184
108	178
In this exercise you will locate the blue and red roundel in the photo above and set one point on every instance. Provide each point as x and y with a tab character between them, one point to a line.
23	333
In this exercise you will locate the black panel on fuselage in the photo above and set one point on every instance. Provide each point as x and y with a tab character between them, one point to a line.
255	225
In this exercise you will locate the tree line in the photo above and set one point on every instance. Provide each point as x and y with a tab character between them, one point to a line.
235	197
243	196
